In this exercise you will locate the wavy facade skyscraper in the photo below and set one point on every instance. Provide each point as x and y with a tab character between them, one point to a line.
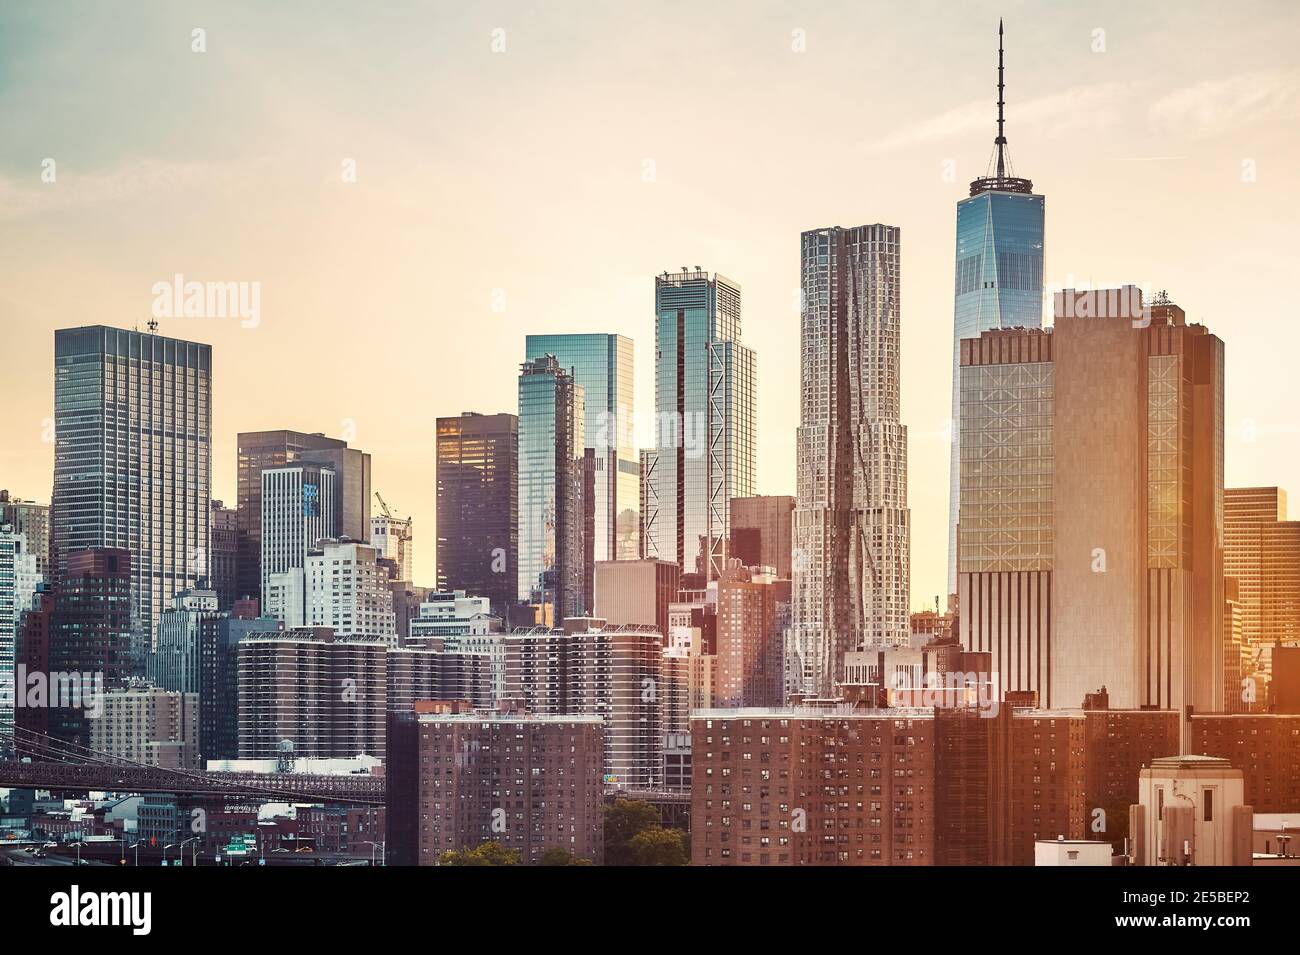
852	555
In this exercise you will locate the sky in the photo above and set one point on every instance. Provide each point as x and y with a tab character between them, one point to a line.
417	187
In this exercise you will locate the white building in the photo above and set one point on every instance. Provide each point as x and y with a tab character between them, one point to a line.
1063	851
392	538
345	589
298	510
851	521
1191	811
18	579
463	624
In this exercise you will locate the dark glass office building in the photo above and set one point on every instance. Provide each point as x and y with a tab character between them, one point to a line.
133	457
478	506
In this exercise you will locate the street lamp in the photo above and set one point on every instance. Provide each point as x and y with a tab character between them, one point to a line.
383	851
193	852
170	845
78	846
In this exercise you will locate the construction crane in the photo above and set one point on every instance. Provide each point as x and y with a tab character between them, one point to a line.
406	527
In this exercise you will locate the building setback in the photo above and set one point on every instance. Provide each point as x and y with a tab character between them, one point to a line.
478	506
530	783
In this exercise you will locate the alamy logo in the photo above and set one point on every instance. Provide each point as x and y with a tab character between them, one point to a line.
73	908
181	299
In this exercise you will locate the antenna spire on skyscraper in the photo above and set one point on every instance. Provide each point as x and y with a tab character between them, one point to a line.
1001	141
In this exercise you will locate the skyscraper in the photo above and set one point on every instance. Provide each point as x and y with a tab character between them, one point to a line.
999	276
760	531
851	522
551	442
602	365
259	450
1092	500
298	504
1262	551
704	417
32	520
132	457
478	506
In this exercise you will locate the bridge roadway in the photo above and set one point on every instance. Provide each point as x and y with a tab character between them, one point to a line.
355	788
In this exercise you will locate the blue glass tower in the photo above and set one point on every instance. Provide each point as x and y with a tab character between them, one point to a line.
998	278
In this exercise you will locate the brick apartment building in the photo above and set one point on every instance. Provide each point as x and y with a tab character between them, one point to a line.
812	786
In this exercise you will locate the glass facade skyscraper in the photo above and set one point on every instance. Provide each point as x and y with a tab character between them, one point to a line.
998	279
602	365
133	457
551	442
704	420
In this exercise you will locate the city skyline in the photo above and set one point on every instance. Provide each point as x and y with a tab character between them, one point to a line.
1164	108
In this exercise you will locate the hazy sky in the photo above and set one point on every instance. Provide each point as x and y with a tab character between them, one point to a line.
1164	136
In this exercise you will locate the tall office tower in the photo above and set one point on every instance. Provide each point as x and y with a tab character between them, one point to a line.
596	670
223	566
704	417
393	539
18	582
346	591
649	505
1261	549
132	457
761	532
602	365
999	277
32	520
851	522
546	771
92	634
259	450
1092	501
551	420
291	687
478	506
297	511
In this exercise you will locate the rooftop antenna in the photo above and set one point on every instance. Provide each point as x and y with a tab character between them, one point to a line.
153	326
1001	141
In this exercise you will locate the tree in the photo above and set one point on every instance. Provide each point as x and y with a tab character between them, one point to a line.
658	847
624	820
487	853
556	855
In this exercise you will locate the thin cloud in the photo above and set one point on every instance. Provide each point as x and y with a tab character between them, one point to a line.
1067	112
1209	108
